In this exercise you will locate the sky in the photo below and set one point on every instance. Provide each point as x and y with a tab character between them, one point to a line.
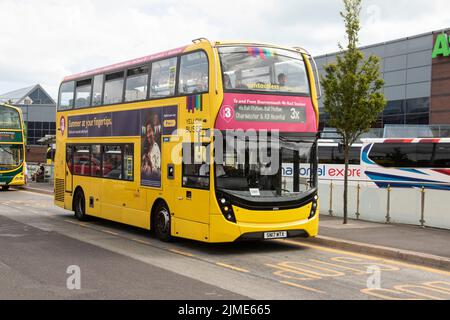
41	41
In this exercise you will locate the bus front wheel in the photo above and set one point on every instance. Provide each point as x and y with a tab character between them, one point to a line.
162	223
5	188
79	204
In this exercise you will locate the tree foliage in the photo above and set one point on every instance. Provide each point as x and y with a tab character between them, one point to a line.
353	97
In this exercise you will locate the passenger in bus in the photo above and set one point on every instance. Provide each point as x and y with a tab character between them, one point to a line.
201	83
282	79
204	170
227	81
239	83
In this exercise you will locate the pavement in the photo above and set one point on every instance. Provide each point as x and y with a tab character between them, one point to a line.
426	246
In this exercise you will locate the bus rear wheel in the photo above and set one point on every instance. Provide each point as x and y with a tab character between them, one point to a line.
5	188
79	205
162	223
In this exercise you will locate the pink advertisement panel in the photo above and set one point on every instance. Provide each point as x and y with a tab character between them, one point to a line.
266	112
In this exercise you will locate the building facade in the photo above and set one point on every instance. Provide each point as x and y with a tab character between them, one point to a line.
38	109
417	85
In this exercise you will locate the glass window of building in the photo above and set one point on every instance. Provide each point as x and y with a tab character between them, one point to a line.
418	105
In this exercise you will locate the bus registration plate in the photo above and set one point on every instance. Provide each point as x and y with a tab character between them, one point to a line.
275	235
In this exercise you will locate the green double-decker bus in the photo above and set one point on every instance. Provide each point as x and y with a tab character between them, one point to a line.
12	147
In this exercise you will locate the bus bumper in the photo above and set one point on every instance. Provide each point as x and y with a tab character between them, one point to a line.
12	180
222	230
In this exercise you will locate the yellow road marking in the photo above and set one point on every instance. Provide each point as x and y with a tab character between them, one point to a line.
302	287
187	254
360	255
76	223
110	232
434	284
362	262
408	288
372	292
231	267
357	271
297	266
281	273
140	241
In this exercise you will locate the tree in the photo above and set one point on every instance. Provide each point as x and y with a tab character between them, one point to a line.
353	99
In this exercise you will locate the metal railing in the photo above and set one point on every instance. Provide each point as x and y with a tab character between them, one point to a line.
423	205
48	174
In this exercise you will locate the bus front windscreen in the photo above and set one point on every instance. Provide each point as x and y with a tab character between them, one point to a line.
9	118
11	156
246	171
266	70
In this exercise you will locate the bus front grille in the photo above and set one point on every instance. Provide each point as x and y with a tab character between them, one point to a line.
59	190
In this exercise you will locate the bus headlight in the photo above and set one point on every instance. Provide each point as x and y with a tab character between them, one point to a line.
226	207
313	211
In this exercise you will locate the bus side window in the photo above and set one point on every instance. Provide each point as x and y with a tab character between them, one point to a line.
193	73
96	160
162	80
196	166
128	162
83	93
97	90
66	96
354	155
69	158
81	160
136	84
442	157
113	88
112	161
325	154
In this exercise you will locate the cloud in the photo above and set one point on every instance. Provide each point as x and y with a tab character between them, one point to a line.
43	41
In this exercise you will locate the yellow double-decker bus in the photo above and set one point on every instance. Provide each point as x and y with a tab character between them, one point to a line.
204	142
12	147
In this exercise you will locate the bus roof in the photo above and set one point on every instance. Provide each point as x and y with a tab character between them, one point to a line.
128	63
406	140
10	106
167	54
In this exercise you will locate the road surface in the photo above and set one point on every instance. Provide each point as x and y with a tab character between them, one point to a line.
45	253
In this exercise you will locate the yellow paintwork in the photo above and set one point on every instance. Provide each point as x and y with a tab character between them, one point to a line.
198	218
18	180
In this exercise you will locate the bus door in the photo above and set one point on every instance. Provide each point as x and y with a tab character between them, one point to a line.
192	198
68	178
134	198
